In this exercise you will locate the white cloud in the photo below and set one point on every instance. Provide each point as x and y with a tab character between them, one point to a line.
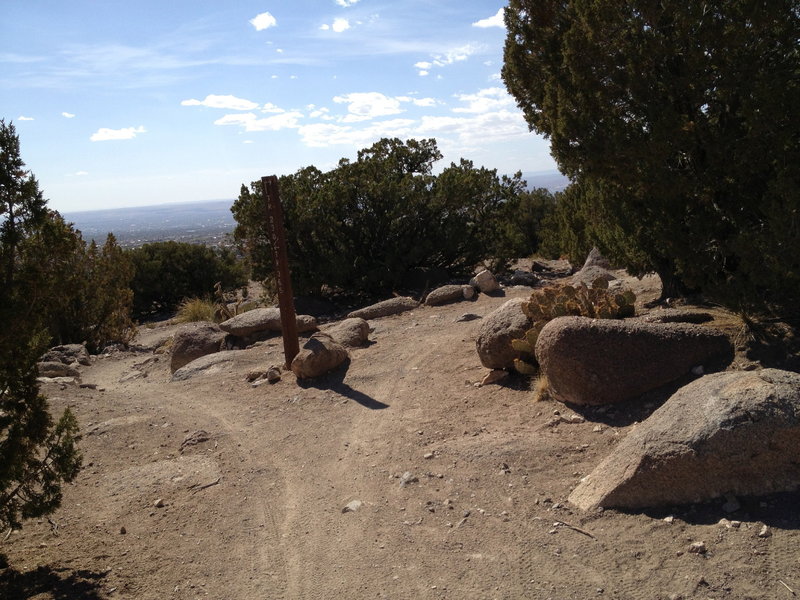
250	122
78	174
227	102
450	57
495	21
321	135
269	107
248	142
263	21
339	25
364	106
346	3
24	118
424	73
67	115
485	100
127	133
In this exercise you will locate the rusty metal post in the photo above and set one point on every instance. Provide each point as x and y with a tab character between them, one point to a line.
280	260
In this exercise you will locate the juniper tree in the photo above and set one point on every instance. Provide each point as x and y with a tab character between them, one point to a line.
36	454
680	121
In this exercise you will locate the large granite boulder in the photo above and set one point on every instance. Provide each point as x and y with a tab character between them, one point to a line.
56	369
319	355
587	275
264	319
392	306
602	361
450	293
726	433
350	332
485	281
194	340
497	330
68	354
595	259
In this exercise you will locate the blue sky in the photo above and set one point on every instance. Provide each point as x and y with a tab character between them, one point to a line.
144	102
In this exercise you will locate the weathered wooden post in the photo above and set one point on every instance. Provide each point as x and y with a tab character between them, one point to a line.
280	260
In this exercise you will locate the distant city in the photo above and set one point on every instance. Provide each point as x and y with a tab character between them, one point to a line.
208	222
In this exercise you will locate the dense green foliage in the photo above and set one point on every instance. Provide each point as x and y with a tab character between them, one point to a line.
384	221
680	123
36	454
168	272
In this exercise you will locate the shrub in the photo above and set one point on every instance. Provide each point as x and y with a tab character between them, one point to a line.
167	272
383	221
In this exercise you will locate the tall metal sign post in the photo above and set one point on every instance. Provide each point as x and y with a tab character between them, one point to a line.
280	260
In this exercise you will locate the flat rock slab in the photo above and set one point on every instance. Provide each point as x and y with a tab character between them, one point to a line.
210	363
498	328
450	293
264	319
603	361
726	433
392	306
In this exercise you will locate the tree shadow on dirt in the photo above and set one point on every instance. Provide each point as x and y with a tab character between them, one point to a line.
58	583
334	382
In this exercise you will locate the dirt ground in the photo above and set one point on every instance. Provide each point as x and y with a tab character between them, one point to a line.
460	490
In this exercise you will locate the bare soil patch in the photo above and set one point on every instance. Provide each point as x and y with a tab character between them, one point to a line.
463	489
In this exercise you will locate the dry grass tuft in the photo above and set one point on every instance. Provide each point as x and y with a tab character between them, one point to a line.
541	389
195	309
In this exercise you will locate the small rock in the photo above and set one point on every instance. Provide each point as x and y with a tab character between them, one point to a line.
273	374
407	478
765	532
698	548
670	519
122	530
736	524
159	503
597	429
428	455
467	317
194	438
494	376
352	506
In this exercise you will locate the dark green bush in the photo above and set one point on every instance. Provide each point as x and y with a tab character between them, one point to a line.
167	272
383	221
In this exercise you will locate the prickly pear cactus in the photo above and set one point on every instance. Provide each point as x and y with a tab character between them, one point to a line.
597	302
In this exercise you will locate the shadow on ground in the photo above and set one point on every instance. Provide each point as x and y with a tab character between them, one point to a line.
334	382
56	583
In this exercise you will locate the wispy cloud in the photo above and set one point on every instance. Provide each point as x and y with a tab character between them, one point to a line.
227	102
485	100
24	118
346	3
339	25
78	174
68	115
127	133
454	55
495	21
362	106
322	135
250	121
263	21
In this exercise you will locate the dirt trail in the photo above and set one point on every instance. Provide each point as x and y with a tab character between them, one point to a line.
256	510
